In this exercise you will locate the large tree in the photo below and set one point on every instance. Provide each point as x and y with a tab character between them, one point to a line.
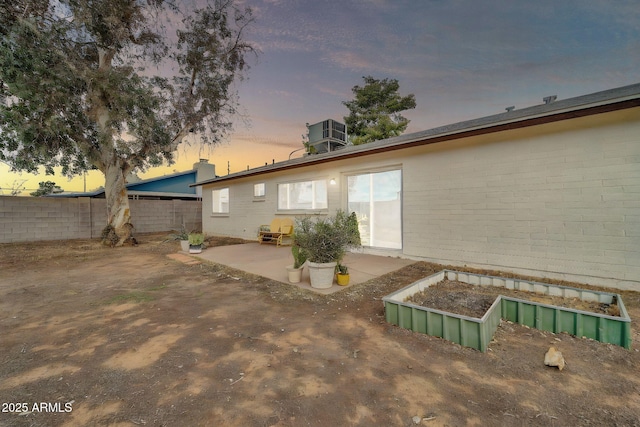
374	113
116	85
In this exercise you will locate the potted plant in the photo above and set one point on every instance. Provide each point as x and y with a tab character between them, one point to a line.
342	275
299	258
195	242
183	237
352	231
325	242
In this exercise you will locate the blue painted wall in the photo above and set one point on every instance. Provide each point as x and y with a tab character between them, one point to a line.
170	184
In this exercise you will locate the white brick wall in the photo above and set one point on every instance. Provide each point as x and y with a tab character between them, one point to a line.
246	214
560	200
556	200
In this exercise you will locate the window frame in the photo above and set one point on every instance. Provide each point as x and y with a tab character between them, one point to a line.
259	197
317	205
371	171
219	201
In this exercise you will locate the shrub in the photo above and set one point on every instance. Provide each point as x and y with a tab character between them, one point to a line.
327	239
196	239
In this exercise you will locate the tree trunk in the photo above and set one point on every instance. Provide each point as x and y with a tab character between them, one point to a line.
119	230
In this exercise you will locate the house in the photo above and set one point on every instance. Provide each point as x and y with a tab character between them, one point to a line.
551	190
175	186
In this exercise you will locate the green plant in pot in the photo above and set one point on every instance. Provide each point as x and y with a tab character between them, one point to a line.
325	242
350	225
195	242
299	258
183	237
342	275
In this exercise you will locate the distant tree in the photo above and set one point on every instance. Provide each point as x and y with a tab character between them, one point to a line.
46	187
374	113
104	84
16	188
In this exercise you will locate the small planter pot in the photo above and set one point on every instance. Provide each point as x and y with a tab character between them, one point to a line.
321	274
295	274
184	245
342	279
195	249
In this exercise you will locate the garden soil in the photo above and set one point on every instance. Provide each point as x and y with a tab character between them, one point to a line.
475	300
94	336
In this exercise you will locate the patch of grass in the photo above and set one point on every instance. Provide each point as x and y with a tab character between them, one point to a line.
136	296
130	297
157	288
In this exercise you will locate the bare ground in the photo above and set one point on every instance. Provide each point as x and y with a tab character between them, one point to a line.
130	337
474	300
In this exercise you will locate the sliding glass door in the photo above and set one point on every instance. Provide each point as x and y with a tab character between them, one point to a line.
376	199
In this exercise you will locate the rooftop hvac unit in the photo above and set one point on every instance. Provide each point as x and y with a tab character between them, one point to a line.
328	135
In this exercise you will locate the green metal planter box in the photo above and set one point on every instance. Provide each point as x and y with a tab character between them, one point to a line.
477	333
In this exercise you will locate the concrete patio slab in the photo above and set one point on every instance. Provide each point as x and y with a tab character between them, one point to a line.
271	261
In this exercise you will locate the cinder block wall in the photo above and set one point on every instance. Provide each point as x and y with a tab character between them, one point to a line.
559	200
25	219
162	215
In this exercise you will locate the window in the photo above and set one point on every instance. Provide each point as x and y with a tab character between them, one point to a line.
221	200
376	199
259	190
302	195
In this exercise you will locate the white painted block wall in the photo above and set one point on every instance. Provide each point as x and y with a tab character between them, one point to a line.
559	200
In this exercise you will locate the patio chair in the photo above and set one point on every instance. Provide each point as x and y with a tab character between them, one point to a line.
279	232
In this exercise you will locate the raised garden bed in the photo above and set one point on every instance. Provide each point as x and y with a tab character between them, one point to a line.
585	313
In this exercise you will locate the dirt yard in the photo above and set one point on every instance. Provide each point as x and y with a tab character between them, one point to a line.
92	336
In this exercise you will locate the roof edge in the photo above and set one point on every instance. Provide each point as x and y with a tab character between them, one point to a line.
595	103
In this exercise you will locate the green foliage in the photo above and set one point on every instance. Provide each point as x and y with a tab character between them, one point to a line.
196	239
83	84
342	269
352	230
46	187
180	235
299	255
374	113
326	239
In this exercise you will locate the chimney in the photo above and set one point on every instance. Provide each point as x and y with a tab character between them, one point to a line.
204	170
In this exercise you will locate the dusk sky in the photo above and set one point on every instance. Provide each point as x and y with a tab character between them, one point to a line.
461	59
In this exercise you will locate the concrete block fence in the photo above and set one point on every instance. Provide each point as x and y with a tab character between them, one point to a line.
24	219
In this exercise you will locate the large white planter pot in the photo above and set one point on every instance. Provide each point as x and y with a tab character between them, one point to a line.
295	274
321	274
184	245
